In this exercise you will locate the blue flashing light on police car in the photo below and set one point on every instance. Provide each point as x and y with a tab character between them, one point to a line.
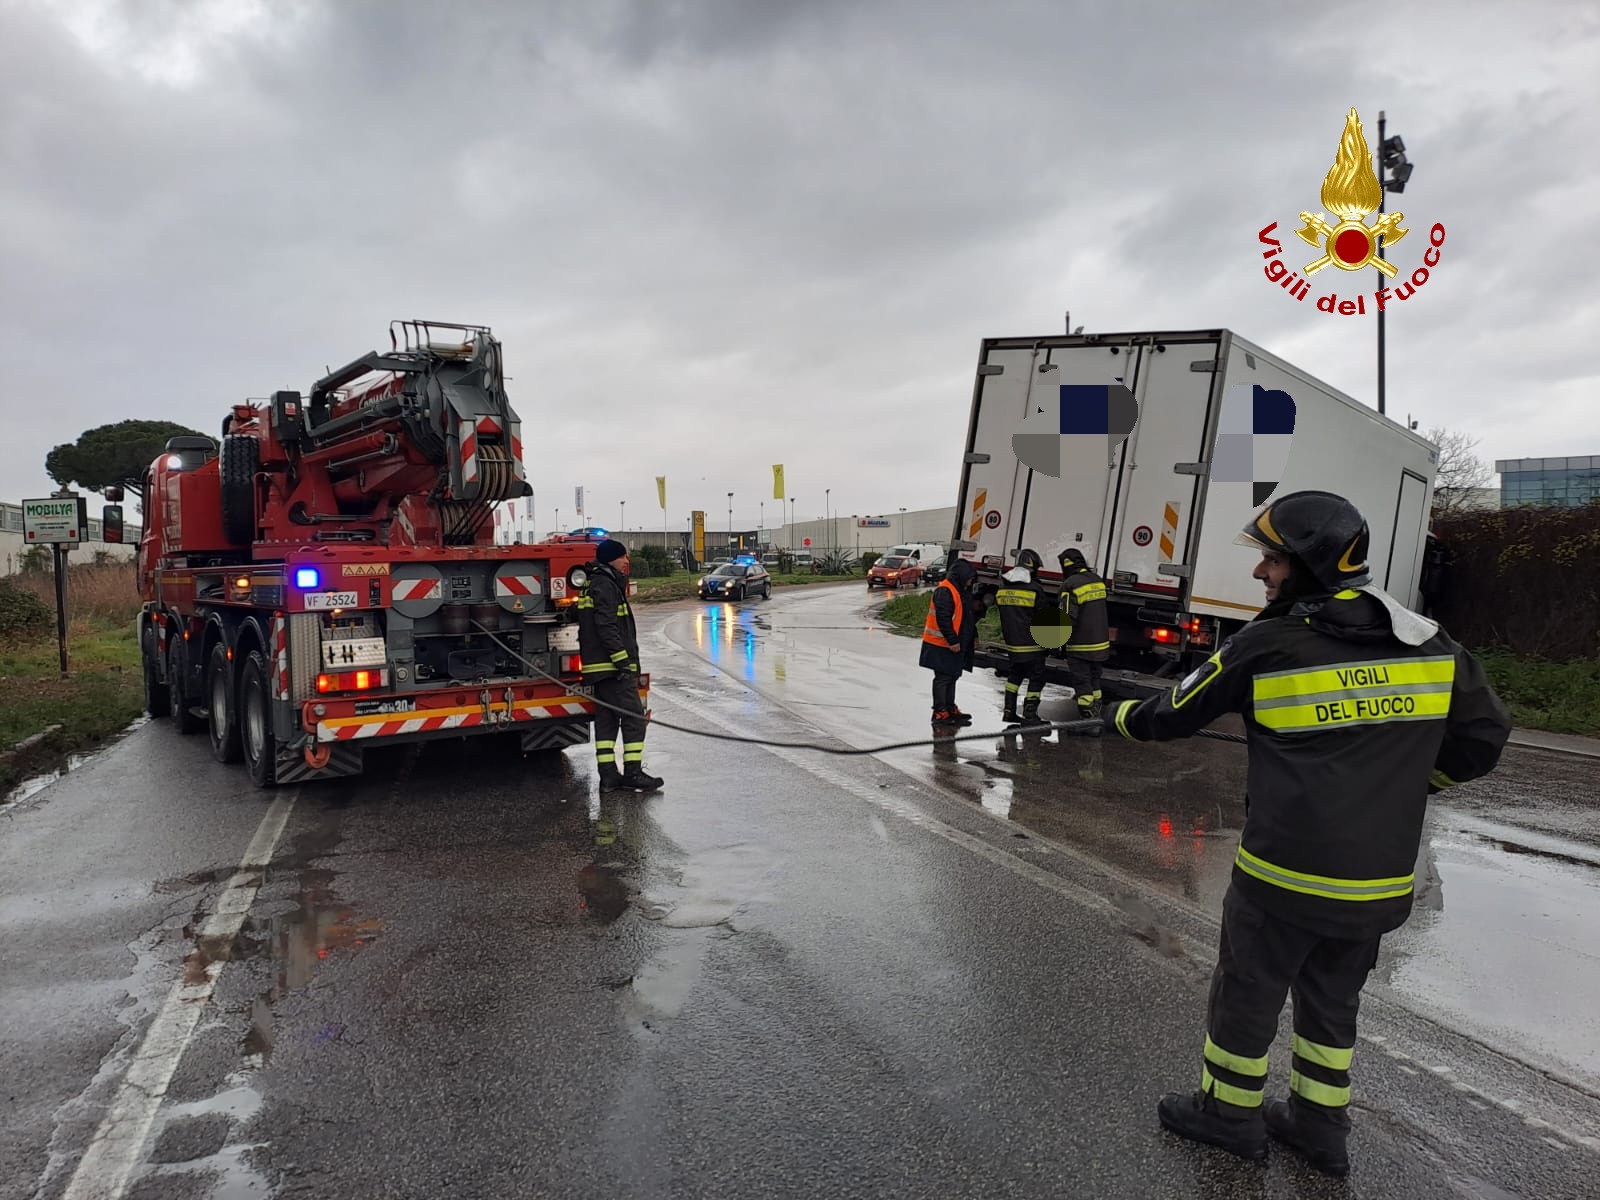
307	578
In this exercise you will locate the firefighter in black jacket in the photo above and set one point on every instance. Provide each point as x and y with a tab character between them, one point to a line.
1021	603
1088	628
1356	710
609	646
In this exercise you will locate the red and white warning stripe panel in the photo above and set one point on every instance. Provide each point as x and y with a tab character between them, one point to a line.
280	659
516	449
518	587
468	434
343	729
416	590
419	589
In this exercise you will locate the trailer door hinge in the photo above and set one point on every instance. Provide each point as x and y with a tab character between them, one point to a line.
991	369
1199	468
977	456
1204	365
1176	570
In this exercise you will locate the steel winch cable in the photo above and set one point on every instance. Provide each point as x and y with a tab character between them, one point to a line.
1080	728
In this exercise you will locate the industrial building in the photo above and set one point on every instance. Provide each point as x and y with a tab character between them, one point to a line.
1567	482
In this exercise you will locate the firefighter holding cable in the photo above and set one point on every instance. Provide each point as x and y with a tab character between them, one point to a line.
609	645
1356	710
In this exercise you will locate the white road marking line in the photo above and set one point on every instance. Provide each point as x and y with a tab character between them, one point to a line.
117	1147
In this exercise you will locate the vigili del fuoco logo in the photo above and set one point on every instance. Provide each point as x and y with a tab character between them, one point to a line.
1352	193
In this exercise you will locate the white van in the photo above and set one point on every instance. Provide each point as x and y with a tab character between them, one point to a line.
921	553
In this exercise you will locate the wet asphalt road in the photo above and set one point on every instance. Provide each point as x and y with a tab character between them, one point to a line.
963	971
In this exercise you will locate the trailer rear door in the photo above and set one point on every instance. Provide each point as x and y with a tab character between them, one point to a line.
1006	505
1152	524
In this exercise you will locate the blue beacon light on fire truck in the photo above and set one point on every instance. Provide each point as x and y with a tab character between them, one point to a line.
306	578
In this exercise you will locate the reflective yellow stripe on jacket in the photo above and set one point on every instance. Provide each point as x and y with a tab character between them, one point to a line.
1022	597
1327	886
1345	695
1086	593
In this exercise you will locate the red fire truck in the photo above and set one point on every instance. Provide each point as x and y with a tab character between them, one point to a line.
325	579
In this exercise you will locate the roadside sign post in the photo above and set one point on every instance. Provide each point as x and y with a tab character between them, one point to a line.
61	521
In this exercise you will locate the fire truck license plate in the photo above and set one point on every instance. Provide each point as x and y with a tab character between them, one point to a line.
332	600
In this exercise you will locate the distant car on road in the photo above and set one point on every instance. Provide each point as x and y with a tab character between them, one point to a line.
804	564
736	581
894	571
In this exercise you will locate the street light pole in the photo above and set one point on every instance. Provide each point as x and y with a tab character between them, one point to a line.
1393	172
902	526
730	524
623	505
791	522
827	500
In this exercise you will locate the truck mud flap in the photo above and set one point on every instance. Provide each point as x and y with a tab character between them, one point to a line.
342	760
554	735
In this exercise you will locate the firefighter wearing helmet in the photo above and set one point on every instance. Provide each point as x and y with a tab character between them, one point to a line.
1022	603
1087	627
1356	710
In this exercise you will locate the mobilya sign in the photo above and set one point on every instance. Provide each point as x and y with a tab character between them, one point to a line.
55	520
1352	193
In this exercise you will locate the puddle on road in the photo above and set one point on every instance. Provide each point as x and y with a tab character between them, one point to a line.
34	784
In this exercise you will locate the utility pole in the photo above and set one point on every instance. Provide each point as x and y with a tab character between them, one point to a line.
1393	172
730	524
623	516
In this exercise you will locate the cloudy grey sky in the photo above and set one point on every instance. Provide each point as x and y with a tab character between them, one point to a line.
719	235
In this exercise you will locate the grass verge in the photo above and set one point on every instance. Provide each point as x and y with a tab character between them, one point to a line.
1556	697
906	614
102	693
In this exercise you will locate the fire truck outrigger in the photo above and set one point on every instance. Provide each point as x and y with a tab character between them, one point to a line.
326	580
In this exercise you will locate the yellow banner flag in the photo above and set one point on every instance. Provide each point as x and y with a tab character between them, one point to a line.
661	489
777	481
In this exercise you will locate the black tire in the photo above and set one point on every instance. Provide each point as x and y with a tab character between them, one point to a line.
256	740
237	467
183	718
156	700
222	721
766	592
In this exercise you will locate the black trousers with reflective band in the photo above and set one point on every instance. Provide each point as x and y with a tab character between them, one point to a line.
944	691
1025	675
1261	959
1085	677
623	692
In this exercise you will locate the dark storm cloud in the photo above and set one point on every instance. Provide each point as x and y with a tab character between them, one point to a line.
717	236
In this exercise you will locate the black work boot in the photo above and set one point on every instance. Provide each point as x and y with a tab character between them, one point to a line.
1009	715
1030	714
959	717
1198	1117
610	779
1319	1140
636	779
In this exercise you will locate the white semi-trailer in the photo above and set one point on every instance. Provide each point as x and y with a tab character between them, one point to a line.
1157	514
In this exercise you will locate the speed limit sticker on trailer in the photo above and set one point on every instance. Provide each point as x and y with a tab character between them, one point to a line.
332	600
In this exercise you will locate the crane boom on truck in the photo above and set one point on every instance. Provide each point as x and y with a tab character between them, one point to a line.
1156	515
325	580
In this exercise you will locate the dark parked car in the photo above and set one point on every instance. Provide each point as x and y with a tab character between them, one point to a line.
735	581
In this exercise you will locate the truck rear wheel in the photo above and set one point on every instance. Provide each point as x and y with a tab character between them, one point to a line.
156	700
236	467
255	722
183	718
221	720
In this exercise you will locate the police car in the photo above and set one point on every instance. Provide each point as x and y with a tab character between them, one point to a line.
744	576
